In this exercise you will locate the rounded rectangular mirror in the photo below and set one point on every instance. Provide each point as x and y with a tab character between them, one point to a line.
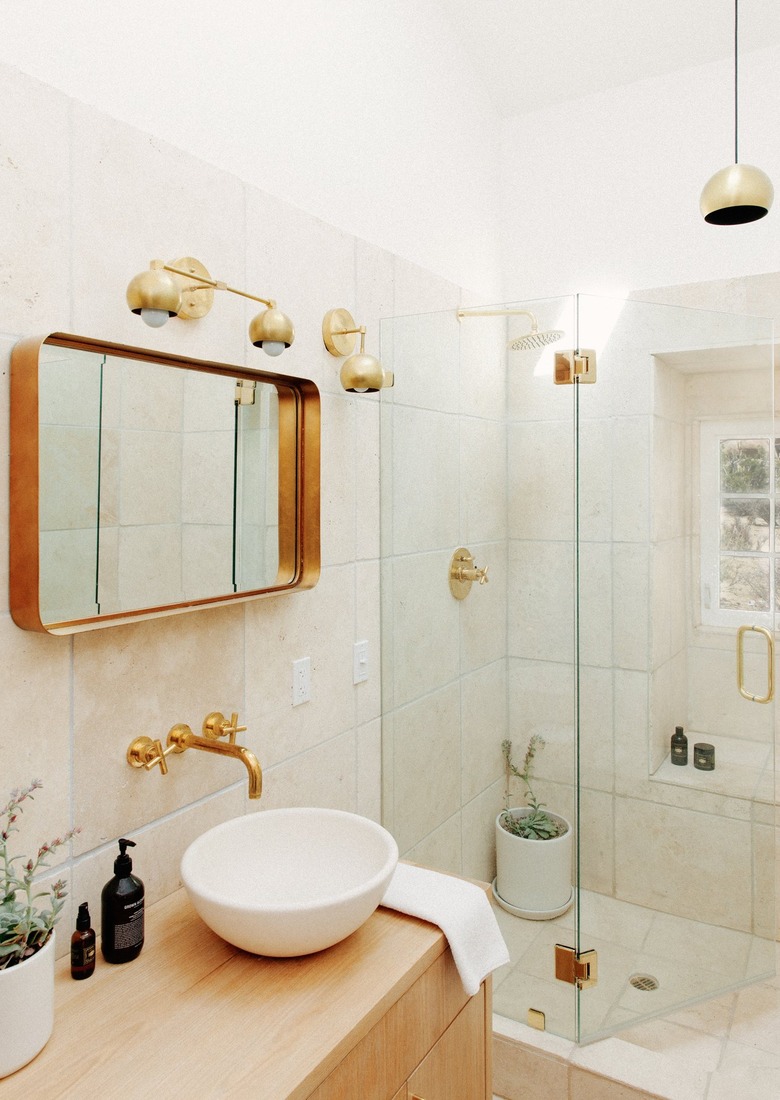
144	483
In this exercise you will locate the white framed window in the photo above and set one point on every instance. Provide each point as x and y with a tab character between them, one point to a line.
740	483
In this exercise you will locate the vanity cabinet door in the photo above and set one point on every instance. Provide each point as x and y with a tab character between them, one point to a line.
455	1069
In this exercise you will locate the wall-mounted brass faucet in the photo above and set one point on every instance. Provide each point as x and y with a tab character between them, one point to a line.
144	752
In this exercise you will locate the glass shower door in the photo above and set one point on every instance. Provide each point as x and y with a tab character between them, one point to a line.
675	553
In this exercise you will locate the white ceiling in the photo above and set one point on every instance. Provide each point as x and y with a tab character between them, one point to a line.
530	55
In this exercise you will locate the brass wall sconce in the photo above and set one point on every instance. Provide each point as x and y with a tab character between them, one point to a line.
361	372
145	752
184	288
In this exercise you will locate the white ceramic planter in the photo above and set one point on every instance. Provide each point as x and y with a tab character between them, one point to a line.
26	1009
533	877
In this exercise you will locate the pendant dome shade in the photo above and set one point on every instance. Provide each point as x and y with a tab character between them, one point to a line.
736	194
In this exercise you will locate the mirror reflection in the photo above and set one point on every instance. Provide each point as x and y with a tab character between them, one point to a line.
160	487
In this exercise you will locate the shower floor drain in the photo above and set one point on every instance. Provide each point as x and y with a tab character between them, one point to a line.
646	982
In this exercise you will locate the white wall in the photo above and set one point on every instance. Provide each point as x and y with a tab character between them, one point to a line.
601	194
364	114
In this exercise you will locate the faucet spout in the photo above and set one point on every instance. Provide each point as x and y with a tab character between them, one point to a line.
182	738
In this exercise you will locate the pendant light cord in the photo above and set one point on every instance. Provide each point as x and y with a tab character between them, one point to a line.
736	80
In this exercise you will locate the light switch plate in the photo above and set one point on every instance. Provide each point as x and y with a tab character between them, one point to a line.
360	662
301	681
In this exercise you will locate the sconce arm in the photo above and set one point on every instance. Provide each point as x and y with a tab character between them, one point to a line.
215	284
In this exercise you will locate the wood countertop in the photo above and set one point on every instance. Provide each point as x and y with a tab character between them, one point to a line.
194	1017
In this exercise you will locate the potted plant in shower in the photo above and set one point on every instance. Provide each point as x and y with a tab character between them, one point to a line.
26	942
533	848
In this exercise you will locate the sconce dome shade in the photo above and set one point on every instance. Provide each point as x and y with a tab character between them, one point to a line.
736	194
362	373
272	326
154	289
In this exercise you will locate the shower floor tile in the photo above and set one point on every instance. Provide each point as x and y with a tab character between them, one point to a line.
724	1046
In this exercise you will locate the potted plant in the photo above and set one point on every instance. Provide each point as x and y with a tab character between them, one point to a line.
533	848
26	942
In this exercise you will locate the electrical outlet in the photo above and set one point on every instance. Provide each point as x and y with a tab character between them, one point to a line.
359	662
301	681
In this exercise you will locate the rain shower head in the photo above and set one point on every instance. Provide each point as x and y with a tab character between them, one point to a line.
530	340
535	339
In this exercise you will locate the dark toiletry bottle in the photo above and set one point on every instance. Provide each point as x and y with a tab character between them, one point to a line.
82	946
122	906
704	756
679	746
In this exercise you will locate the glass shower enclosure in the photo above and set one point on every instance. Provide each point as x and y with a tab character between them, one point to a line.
620	485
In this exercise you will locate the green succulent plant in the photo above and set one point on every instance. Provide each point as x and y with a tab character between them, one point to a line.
538	824
26	923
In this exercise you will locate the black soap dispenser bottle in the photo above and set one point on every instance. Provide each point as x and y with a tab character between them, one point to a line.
679	746
122	906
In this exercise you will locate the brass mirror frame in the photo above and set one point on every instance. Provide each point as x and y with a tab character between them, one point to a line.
299	482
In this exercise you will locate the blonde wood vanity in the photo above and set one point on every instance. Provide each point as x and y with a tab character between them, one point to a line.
380	1016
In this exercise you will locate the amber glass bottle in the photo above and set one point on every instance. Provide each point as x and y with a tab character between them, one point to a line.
82	946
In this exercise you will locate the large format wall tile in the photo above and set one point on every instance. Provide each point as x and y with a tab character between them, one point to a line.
692	864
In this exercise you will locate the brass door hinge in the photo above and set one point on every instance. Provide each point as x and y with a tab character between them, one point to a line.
579	364
580	969
245	391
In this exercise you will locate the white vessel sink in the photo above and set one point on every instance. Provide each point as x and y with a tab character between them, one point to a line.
289	882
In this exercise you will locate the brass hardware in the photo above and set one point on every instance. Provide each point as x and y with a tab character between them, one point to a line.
770	672
463	573
740	192
184	288
192	277
528	341
338	331
360	373
571	365
245	391
216	726
143	752
577	969
536	1019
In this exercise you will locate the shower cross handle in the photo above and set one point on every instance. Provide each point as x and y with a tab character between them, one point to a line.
472	573
463	572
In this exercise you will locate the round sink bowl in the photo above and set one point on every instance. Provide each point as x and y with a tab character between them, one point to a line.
289	882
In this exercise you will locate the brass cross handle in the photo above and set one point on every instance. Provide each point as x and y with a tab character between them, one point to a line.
143	752
216	725
463	573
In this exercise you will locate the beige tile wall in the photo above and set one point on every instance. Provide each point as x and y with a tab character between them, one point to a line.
445	702
88	202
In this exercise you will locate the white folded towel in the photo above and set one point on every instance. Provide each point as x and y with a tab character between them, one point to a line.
460	909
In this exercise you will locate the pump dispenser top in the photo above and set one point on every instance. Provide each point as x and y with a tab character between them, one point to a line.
123	864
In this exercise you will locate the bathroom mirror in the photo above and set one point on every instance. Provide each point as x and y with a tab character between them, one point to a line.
144	483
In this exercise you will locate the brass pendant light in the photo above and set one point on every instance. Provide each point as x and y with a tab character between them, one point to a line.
738	193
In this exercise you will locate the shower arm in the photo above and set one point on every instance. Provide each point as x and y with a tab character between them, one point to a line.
497	313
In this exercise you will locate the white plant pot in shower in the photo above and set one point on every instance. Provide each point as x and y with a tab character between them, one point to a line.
26	1008
533	877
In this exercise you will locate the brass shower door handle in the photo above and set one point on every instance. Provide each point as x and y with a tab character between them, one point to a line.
770	672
